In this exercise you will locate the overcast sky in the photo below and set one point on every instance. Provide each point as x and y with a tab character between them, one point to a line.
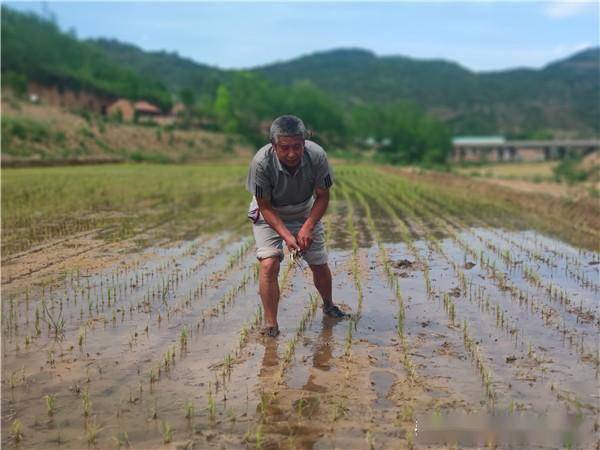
478	35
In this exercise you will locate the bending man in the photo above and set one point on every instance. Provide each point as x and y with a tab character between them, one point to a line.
290	180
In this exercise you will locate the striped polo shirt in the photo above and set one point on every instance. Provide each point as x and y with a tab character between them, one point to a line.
268	178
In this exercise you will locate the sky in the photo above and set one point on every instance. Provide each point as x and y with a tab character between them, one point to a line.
481	36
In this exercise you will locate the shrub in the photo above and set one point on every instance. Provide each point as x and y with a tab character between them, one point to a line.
569	171
156	158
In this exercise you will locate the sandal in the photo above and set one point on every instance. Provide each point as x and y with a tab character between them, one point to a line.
270	331
335	312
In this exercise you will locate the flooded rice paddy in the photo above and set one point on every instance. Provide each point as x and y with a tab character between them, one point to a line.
462	334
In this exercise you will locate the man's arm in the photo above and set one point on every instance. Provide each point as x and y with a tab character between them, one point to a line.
273	219
316	213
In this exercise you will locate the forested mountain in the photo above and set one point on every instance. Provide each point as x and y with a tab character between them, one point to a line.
348	92
35	49
562	96
170	69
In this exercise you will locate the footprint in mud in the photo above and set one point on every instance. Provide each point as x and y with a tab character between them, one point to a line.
382	382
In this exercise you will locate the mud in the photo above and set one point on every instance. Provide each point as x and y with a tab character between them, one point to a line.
128	346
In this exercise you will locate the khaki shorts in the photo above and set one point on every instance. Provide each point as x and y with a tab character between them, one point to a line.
270	244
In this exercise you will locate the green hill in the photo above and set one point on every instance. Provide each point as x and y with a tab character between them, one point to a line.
34	48
562	97
559	100
169	69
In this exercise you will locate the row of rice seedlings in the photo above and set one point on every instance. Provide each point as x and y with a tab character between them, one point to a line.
162	290
502	282
450	310
229	297
24	226
331	213
575	338
238	257
572	271
304	322
355	266
572	265
503	322
569	257
555	292
470	344
113	290
219	308
169	357
230	359
394	285
578	274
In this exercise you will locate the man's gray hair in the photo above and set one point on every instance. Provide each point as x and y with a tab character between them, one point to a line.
287	126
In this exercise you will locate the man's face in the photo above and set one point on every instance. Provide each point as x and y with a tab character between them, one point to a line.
289	150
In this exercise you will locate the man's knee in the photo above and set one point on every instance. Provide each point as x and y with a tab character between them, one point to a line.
269	267
319	269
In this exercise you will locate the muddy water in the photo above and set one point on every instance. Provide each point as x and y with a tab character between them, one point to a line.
346	384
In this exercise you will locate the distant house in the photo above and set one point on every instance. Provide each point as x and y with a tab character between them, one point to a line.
145	109
121	108
128	111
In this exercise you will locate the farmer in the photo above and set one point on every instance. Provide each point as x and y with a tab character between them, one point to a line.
290	180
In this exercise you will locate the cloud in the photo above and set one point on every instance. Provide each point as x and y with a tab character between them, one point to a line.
564	9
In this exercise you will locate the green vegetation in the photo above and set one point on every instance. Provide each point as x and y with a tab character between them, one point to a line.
15	129
521	102
399	133
117	200
35	49
569	170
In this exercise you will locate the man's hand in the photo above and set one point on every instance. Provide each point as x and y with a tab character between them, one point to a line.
292	243
305	235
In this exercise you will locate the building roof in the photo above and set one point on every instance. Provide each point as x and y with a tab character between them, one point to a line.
146	107
120	102
475	140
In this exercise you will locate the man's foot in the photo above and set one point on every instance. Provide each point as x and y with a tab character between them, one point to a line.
270	331
335	312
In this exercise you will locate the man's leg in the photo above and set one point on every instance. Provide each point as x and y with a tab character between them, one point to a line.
322	280
269	288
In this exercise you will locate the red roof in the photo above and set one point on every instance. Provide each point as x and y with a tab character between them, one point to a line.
146	107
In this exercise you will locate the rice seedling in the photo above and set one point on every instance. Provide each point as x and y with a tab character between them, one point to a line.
183	339
166	431
259	436
55	323
338	409
87	404
50	400
212	405
122	440
82	336
370	440
348	341
16	430
92	429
